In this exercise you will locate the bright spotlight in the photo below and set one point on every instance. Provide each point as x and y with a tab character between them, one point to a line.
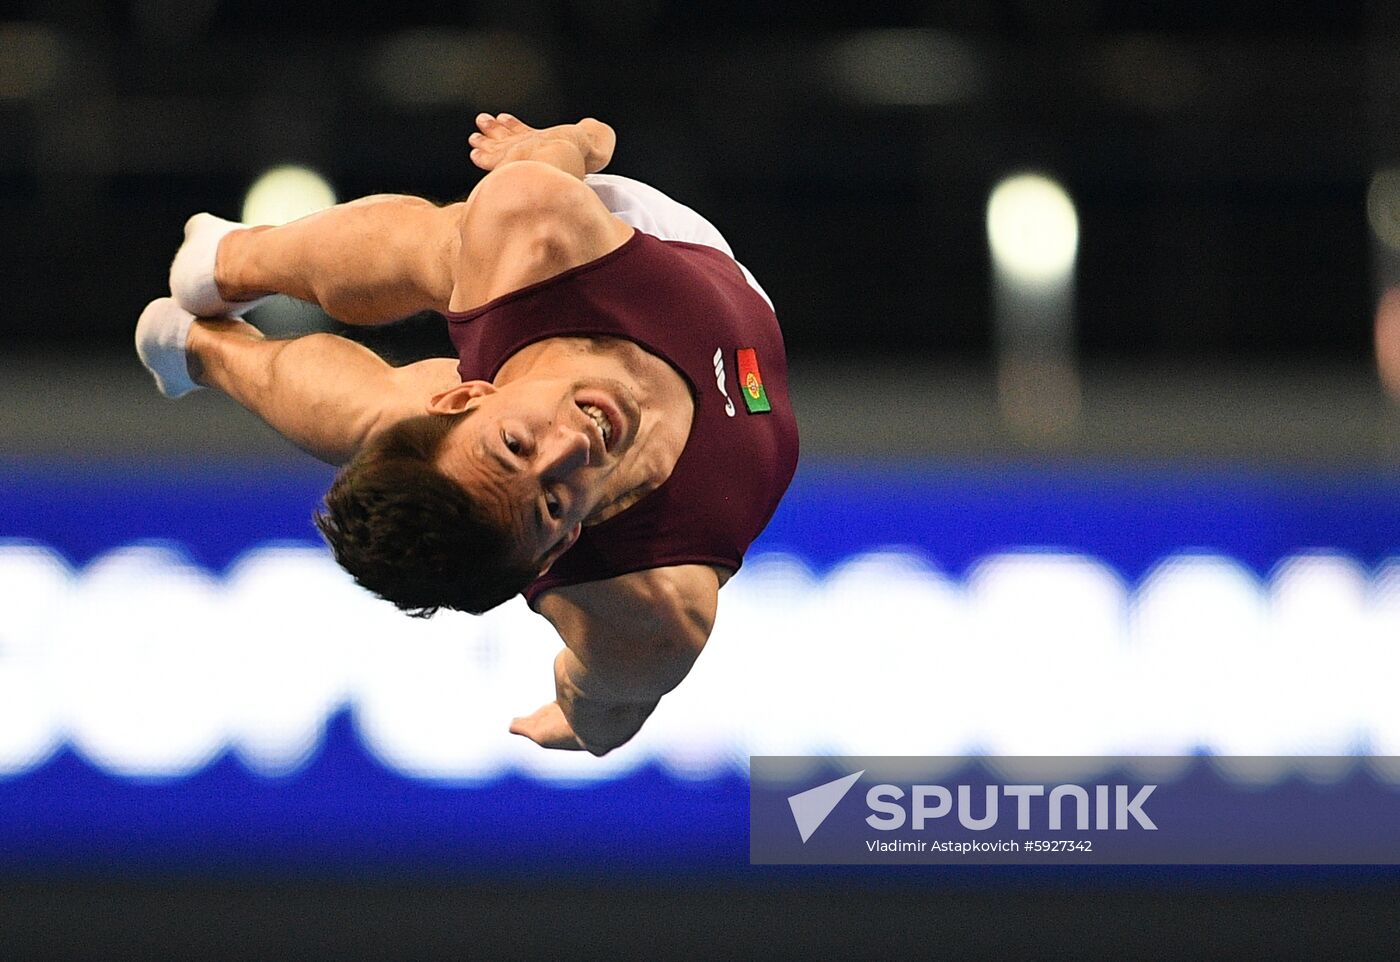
1383	206
284	194
1033	230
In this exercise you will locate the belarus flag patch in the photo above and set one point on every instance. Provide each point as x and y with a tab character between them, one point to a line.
751	382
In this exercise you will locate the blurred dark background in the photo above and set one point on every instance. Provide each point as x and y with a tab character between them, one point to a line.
1218	154
1219	157
1227	164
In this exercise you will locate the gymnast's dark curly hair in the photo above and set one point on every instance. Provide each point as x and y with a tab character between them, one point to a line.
412	535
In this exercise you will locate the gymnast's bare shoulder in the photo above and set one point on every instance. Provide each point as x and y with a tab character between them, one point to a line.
629	640
639	632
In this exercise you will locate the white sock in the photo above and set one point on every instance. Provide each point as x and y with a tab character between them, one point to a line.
192	272
161	334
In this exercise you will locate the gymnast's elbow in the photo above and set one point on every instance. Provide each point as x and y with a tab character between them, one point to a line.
605	728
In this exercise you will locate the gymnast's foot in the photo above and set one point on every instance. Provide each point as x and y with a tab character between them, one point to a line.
161	336
503	137
192	279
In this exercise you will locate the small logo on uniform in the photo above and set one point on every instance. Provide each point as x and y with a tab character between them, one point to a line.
755	396
719	379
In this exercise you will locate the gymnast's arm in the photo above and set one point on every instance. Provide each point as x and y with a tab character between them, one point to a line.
324	393
629	641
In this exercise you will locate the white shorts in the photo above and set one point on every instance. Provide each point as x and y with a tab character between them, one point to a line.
652	212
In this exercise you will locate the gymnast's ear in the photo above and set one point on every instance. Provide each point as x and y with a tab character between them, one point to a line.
455	399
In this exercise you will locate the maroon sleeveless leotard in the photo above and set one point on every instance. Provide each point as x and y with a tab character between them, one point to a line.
689	305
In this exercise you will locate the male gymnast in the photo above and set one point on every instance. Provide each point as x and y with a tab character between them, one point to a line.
614	433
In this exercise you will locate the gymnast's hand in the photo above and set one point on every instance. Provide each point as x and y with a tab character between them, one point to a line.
582	148
548	728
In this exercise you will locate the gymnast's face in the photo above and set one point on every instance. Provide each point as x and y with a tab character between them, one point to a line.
542	454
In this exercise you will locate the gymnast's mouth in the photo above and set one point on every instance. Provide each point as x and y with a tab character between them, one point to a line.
600	419
604	414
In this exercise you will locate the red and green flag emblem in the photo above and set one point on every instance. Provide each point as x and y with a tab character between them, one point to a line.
751	382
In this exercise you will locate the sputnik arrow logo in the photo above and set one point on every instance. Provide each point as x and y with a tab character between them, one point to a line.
810	808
